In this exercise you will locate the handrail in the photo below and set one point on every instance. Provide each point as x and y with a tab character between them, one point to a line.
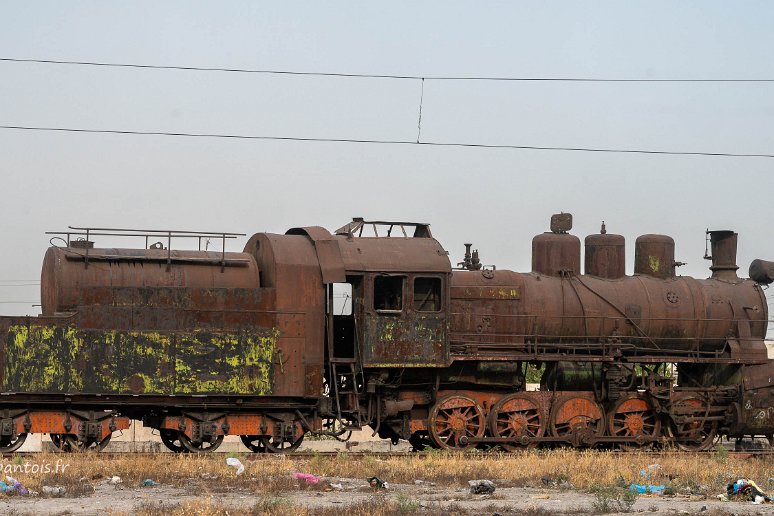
89	232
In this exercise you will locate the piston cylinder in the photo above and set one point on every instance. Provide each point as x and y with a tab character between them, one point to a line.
654	255
605	255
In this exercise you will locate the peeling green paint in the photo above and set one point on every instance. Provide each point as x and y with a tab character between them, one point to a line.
654	263
65	359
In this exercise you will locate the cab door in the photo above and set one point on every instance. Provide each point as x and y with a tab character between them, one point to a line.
404	320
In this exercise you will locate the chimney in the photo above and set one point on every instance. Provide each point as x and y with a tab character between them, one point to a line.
723	245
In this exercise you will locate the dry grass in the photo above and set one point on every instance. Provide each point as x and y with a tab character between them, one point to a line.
209	473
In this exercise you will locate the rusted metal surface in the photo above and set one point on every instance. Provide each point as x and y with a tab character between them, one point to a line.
762	271
65	276
605	255
205	344
654	255
368	254
639	314
328	253
723	254
556	254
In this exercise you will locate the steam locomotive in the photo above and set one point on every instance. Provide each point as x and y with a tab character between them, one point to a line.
203	344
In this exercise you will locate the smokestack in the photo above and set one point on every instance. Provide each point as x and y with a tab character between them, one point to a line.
723	245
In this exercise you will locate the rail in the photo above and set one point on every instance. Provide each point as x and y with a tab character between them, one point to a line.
358	225
84	234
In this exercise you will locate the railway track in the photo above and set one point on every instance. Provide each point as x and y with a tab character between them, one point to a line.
388	455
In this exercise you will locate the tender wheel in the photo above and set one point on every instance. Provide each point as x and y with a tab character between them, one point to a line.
284	444
578	418
633	417
71	443
253	443
202	447
453	418
694	435
10	445
171	439
517	417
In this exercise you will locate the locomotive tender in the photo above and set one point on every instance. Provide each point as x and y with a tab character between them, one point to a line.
203	344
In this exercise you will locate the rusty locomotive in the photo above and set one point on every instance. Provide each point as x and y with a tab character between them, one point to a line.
204	344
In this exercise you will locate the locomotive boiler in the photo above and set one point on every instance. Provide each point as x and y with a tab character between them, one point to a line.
204	344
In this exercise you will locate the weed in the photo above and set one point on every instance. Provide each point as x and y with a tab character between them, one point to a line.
721	454
612	499
405	504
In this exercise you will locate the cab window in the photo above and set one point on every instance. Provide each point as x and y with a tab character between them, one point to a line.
388	293
427	294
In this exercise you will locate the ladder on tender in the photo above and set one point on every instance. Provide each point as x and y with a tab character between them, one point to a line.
345	391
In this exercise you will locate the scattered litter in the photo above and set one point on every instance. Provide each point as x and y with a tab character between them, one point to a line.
115	480
647	489
16	486
481	486
337	487
236	463
746	489
759	500
306	477
209	476
54	490
649	471
423	483
148	482
703	508
541	497
377	483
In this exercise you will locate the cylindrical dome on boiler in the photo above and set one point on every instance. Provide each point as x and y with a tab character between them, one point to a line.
605	256
654	255
556	253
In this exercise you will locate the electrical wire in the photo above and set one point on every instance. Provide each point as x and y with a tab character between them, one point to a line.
388	142
372	76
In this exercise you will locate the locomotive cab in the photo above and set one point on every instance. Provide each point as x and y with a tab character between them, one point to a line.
400	292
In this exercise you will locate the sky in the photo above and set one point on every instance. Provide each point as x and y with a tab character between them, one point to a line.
498	199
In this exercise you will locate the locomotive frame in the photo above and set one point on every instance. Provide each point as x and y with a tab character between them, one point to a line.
203	344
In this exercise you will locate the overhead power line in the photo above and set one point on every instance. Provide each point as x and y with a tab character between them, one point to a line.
374	76
387	142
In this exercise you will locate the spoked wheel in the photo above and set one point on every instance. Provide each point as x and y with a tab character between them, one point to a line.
634	417
578	418
695	434
171	439
518	418
453	418
199	447
253	443
284	443
11	444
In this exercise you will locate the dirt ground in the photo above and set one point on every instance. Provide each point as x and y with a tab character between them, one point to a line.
421	497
